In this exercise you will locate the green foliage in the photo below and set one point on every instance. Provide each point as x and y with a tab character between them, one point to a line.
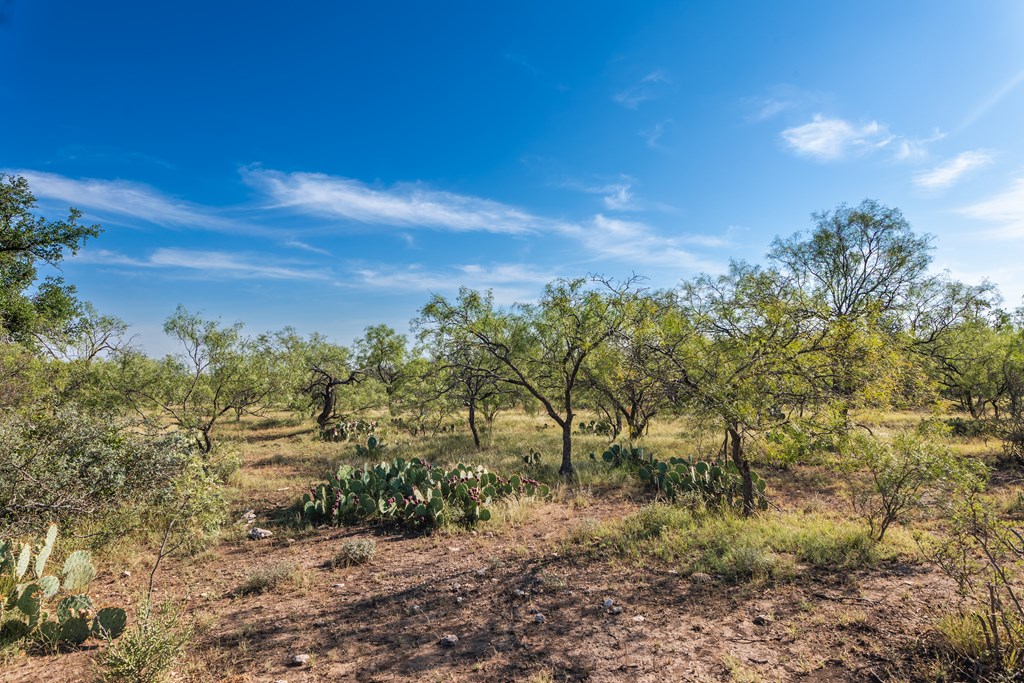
901	475
984	555
44	609
411	493
28	307
79	468
147	651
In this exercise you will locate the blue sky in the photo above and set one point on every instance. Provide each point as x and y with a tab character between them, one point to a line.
329	165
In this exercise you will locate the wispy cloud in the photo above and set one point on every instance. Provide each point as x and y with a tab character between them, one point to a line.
216	265
616	194
1005	209
403	205
648	88
832	139
111	199
652	135
296	244
636	242
510	282
779	99
952	170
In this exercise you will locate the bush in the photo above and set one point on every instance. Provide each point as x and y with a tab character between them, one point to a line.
902	474
985	557
68	467
147	651
354	553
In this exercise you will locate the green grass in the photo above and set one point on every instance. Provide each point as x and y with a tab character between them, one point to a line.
767	547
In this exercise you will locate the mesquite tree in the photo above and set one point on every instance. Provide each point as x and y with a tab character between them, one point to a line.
540	347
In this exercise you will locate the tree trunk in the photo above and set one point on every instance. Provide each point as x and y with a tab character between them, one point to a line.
325	415
472	422
739	458
566	470
206	443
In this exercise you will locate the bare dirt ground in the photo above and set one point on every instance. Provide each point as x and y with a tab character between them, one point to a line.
384	621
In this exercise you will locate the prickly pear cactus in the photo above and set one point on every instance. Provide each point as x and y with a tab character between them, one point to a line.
411	493
27	595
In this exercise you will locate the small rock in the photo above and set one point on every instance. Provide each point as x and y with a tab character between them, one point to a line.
639	618
608	602
258	534
204	596
337	585
449	640
539	619
456	586
298	660
458	600
762	620
617	609
454	549
481	572
416	609
518	593
126	574
248	517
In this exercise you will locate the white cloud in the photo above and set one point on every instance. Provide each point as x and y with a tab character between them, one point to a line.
952	170
510	282
106	199
831	139
653	134
211	264
617	195
402	205
1006	209
633	242
648	88
297	244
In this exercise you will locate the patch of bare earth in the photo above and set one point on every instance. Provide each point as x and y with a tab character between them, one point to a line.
384	621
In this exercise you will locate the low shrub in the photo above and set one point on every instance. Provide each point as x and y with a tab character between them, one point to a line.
148	650
355	553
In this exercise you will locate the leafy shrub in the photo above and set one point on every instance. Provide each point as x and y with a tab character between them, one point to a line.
44	609
971	429
902	474
411	493
67	467
148	649
984	555
355	552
